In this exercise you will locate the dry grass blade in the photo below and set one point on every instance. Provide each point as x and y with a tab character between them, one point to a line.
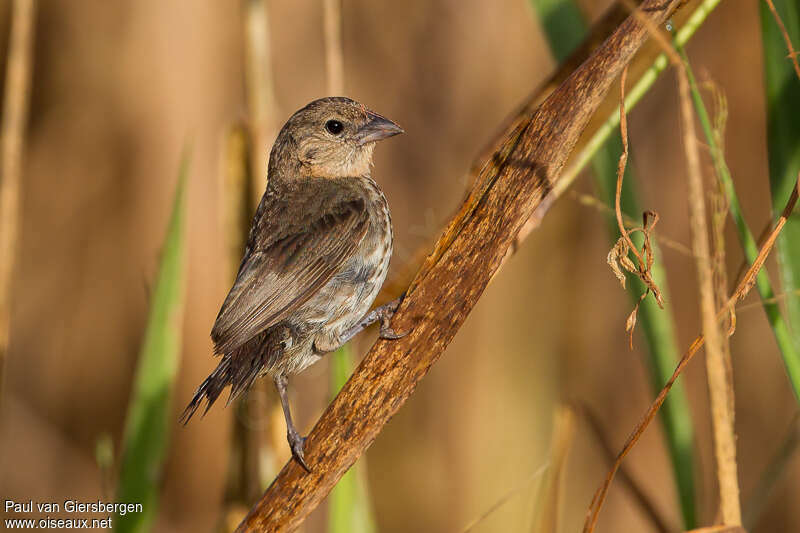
592	201
774	300
452	279
618	260
720	399
15	118
550	502
742	289
618	256
777	467
638	493
507	496
719	529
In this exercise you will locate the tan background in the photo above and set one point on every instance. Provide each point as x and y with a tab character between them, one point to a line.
120	87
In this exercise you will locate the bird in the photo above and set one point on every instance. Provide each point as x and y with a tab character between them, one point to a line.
316	256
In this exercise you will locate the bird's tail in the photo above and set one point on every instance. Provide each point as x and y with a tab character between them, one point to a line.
210	389
238	369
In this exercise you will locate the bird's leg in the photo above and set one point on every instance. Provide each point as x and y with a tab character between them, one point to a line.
383	313
295	440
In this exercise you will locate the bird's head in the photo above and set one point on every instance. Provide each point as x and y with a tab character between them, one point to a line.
331	137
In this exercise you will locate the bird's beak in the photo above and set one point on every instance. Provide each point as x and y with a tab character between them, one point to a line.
376	129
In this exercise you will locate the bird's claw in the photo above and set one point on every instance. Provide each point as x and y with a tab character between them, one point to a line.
392	306
390	334
296	443
386	315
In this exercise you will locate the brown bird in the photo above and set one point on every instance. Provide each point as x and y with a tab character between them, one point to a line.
316	257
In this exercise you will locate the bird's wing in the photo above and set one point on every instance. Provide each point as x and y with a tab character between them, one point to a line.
288	259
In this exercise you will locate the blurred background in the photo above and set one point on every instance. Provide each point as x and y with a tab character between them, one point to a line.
119	88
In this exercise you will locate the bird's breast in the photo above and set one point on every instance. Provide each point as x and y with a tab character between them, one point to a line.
350	293
368	267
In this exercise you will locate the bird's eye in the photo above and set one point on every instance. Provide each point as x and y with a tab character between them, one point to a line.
334	127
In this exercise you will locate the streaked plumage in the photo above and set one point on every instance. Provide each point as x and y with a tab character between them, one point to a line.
316	257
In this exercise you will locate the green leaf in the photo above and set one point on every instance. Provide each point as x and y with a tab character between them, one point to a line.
563	25
782	88
146	437
348	506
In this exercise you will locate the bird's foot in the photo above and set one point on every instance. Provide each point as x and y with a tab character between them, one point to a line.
296	443
385	314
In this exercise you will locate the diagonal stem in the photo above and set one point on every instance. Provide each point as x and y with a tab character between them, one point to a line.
452	279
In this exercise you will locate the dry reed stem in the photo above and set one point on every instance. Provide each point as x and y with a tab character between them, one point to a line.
334	62
717	372
452	279
236	196
243	480
15	118
259	86
249	432
720	207
742	289
792	54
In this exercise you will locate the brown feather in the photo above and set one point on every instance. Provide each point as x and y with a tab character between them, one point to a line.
284	266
